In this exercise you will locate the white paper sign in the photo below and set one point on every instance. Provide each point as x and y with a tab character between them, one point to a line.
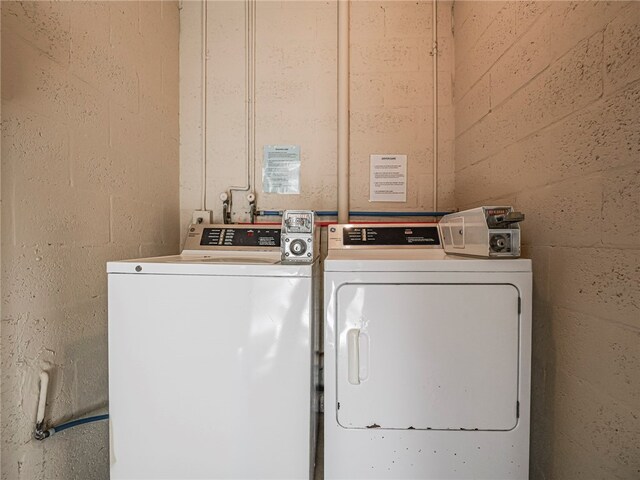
281	169
388	178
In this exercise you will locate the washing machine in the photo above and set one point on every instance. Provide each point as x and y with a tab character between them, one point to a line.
211	360
427	358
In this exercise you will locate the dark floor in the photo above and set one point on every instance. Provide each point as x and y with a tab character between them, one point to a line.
319	473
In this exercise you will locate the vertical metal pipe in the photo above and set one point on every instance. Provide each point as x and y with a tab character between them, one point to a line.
434	32
343	111
203	205
249	96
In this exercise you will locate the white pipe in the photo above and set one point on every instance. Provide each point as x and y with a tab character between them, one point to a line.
249	94
434	32
204	106
343	111
254	29
42	401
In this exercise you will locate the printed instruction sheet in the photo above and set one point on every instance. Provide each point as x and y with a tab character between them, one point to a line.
388	178
281	169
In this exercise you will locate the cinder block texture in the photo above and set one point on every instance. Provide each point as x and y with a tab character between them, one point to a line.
391	100
89	174
561	141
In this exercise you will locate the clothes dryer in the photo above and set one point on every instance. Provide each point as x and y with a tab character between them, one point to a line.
211	360
427	358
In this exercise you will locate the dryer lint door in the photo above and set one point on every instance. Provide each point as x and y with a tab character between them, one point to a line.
427	356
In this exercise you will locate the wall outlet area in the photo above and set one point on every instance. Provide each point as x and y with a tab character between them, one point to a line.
202	216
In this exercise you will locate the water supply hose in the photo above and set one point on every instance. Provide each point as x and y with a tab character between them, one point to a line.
329	213
42	434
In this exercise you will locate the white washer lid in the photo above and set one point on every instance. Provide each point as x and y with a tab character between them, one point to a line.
258	264
417	260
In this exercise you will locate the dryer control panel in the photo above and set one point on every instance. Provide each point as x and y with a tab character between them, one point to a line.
414	235
233	237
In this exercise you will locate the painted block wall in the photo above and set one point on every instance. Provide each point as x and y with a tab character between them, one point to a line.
296	100
89	174
547	118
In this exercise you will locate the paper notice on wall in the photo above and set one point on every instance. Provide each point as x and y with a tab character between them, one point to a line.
281	169
388	178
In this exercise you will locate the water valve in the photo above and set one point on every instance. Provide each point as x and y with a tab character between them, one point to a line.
252	207
226	207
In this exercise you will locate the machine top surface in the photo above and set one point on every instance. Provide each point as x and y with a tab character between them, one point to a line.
403	248
225	263
426	260
230	250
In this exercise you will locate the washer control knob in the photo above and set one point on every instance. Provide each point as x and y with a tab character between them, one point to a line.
298	247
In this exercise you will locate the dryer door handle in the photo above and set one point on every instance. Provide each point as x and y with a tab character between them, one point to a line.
353	353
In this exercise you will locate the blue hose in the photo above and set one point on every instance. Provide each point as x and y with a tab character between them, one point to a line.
40	434
329	213
82	421
396	214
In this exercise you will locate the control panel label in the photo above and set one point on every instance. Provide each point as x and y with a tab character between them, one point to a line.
391	236
240	237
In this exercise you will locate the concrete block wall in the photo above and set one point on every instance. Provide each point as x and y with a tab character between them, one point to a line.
89	174
391	100
547	118
296	101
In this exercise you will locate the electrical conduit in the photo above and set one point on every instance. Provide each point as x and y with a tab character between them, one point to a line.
203	203
343	111
434	33
250	94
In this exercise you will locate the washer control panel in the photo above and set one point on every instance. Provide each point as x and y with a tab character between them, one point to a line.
232	237
241	237
298	231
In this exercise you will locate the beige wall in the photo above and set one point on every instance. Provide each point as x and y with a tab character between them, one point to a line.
547	99
546	117
89	174
391	99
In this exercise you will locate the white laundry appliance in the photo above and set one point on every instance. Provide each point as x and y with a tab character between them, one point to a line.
427	358
211	360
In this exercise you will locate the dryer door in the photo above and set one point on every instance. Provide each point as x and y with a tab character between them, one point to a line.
427	356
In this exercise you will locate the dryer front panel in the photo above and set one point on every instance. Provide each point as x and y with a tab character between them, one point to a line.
427	356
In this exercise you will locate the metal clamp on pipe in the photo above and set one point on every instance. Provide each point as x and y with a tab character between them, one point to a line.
226	210
252	207
40	433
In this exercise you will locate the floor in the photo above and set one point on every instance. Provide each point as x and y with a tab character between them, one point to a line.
319	473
